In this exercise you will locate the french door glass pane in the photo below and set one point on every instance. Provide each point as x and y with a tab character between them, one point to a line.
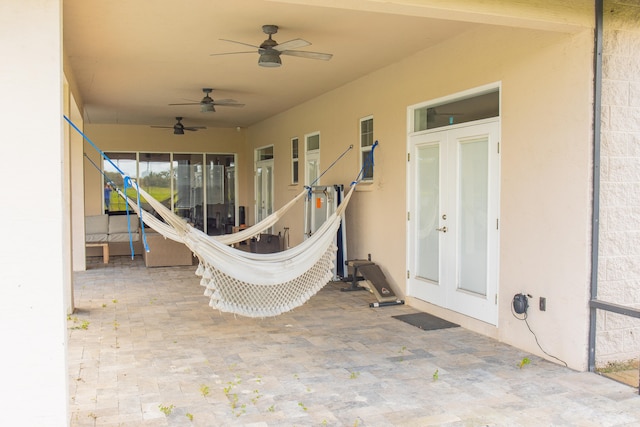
220	208
264	190
474	175
312	170
125	162
189	191
259	193
155	177
268	192
427	208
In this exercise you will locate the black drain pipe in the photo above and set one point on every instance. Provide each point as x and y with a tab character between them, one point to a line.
595	220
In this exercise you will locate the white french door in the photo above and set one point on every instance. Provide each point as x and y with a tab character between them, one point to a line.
453	211
264	189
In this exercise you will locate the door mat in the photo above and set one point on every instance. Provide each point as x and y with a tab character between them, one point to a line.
425	321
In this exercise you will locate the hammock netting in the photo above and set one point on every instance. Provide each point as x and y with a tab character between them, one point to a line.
252	284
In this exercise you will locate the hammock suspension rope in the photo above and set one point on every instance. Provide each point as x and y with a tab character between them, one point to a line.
246	283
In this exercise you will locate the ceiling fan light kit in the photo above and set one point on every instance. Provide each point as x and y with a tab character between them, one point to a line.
269	59
207	108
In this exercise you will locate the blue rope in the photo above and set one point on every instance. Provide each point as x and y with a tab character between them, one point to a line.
367	163
309	191
308	187
113	184
127	180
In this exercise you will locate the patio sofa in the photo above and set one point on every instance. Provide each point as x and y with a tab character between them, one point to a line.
113	230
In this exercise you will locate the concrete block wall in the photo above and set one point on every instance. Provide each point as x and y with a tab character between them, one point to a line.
618	337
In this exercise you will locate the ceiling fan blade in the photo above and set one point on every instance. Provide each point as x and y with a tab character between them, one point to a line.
193	128
162	127
237	42
309	55
292	44
231	53
228	104
188	103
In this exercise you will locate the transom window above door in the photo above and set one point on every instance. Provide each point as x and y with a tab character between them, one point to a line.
458	110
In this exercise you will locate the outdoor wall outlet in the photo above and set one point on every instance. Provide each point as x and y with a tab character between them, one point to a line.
543	304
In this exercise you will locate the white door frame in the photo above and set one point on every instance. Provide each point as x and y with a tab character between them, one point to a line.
263	190
446	290
311	157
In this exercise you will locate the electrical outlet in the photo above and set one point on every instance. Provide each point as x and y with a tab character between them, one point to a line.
543	304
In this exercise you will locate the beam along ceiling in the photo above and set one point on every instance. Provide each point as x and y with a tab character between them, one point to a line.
131	59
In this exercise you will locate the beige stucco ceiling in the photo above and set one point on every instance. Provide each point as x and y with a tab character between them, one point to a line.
129	59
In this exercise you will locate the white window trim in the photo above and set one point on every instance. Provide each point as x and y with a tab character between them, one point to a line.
365	149
311	155
295	160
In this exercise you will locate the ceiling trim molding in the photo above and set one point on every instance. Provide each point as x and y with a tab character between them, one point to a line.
564	16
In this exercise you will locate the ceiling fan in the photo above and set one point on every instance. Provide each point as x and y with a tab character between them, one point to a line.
270	50
207	104
179	128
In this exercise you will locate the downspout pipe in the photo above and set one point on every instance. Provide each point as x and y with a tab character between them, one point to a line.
595	220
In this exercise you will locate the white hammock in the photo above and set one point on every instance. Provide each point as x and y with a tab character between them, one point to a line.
254	285
251	284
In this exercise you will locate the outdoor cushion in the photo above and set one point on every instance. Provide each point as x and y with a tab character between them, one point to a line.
119	224
123	237
96	224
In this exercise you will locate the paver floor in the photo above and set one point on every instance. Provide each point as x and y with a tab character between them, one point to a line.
145	349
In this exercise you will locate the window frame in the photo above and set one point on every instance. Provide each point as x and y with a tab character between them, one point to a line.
295	160
230	187
365	150
311	155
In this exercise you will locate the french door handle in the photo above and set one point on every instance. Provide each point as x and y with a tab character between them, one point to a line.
443	229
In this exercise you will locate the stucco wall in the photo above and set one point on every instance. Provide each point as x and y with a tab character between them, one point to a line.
546	156
618	337
546	86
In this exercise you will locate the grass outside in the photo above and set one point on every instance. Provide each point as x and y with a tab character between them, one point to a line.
159	193
624	372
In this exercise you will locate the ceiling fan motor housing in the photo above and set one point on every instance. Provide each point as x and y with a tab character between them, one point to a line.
270	29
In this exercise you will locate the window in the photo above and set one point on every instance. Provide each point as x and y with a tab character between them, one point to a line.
265	153
454	111
264	182
294	160
178	181
155	177
127	163
221	193
312	159
188	188
366	147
